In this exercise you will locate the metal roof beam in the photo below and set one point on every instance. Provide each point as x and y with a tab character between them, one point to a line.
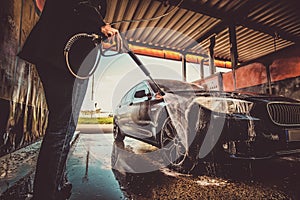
167	49
224	24
214	31
272	31
173	50
228	18
197	7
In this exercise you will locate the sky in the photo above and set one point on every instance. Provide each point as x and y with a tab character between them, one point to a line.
117	74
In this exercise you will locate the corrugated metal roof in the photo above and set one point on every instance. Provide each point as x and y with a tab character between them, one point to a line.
262	26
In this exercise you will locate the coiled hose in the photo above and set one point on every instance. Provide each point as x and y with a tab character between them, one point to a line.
69	45
119	45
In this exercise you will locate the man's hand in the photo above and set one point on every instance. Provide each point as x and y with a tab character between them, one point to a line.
109	31
114	37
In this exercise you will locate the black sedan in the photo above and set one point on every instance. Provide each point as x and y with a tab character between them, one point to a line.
191	124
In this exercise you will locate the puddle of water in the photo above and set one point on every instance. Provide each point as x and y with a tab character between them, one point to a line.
89	170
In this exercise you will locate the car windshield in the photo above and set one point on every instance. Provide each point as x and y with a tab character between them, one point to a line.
174	85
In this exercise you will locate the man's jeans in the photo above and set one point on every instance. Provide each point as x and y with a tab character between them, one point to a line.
64	95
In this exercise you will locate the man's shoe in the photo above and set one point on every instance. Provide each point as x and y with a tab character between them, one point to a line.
63	194
29	197
65	191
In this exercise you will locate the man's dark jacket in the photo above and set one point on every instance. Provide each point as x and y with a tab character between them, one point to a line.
60	20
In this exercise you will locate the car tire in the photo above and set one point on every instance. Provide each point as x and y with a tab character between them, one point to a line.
175	153
118	135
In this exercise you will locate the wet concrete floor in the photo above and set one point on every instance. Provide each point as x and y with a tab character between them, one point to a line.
98	169
90	171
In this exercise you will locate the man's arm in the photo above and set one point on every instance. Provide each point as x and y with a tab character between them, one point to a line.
94	13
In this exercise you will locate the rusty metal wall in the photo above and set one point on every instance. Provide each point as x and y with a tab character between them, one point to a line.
284	73
23	108
288	88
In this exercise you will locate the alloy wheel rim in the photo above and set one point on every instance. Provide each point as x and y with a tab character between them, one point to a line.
173	146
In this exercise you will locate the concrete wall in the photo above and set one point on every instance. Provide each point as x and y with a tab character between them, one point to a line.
23	109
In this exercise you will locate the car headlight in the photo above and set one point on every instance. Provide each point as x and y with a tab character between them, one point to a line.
225	105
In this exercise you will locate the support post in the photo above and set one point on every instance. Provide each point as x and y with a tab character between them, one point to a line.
212	68
269	79
183	57
233	51
93	88
202	69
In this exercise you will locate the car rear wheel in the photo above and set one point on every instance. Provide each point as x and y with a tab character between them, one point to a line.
118	135
174	148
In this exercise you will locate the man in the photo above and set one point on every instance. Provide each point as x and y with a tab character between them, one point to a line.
44	47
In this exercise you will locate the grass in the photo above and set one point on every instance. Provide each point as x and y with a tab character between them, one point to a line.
100	120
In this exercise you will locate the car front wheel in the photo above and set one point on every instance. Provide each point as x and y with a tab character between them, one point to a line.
175	152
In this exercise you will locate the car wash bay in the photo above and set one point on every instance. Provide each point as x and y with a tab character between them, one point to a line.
258	41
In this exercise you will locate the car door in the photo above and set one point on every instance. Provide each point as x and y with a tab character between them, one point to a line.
140	116
124	111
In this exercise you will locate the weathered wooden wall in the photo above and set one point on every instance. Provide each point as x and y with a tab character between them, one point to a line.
23	109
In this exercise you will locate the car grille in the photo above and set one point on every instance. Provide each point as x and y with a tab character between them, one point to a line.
285	114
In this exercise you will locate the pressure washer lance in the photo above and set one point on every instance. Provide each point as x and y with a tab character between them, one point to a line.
145	70
98	41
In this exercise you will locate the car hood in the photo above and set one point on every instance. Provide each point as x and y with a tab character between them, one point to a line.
263	98
253	97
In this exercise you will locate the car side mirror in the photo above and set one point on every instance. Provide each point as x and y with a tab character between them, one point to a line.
140	94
